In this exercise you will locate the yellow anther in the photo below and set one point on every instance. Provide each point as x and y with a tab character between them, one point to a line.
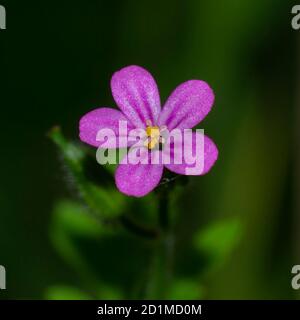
153	132
153	135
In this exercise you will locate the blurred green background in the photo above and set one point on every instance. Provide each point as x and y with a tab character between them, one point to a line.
236	230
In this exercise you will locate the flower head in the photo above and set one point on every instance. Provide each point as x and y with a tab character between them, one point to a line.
137	96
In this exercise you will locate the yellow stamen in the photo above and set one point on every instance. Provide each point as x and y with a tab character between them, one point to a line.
153	135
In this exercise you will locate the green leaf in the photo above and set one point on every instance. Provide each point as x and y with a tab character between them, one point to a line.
63	292
105	201
71	220
186	289
218	240
66	292
97	252
108	292
74	218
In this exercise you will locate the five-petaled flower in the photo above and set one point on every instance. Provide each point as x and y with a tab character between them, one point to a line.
136	94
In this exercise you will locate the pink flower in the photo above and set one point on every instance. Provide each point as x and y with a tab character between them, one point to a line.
136	94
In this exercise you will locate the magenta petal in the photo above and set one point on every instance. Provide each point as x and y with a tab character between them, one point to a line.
136	93
102	118
188	104
208	158
138	179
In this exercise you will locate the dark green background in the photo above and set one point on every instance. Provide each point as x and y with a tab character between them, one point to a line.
56	60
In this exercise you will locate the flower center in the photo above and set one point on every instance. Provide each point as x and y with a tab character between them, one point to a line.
153	135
